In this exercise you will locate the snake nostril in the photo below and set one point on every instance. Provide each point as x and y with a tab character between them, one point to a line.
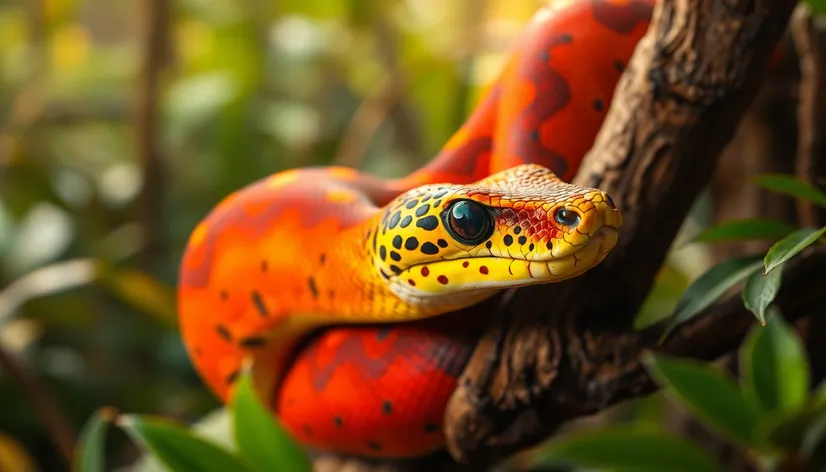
610	201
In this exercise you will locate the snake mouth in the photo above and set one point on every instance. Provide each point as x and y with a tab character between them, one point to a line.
523	271
457	282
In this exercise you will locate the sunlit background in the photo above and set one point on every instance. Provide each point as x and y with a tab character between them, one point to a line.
118	133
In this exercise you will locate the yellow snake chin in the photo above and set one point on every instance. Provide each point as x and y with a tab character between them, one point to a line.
457	283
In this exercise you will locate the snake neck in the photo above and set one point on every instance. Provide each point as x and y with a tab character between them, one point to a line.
363	265
396	292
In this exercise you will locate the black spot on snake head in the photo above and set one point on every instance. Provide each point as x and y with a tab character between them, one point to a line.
411	243
428	223
429	249
394	220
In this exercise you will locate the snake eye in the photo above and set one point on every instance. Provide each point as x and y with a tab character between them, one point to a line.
469	222
567	217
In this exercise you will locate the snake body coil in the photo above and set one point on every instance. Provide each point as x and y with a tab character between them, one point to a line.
338	249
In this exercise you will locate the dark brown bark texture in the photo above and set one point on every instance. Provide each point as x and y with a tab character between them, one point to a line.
559	352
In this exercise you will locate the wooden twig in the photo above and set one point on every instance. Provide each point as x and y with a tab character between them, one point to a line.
376	108
154	42
809	33
367	119
45	406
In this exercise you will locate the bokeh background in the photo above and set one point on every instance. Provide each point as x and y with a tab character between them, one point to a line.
123	123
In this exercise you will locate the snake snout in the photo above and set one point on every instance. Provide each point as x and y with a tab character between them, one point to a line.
610	214
584	219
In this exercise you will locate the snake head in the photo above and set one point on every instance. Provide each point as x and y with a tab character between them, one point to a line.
452	245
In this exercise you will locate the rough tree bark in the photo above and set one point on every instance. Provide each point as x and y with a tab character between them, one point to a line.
690	81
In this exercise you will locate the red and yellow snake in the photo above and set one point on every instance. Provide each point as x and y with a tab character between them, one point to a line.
337	249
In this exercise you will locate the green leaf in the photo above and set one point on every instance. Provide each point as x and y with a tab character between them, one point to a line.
669	285
710	286
814	439
90	453
790	430
179	449
141	290
708	394
775	368
738	230
819	394
791	185
620	449
760	291
790	246
262	441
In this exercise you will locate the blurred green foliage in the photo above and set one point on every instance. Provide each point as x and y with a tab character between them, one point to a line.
769	415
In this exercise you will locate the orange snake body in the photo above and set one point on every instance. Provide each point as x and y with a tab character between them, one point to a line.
336	249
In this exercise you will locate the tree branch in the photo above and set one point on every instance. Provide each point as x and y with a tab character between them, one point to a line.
154	44
717	331
809	33
691	79
44	404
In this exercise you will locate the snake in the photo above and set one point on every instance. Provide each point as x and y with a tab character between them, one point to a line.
350	296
